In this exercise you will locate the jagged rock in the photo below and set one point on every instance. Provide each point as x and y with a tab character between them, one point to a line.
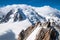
47	34
25	33
41	34
21	35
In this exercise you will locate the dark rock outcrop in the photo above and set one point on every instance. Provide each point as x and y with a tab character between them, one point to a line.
45	34
48	33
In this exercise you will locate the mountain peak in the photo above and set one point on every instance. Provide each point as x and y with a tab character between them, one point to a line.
28	18
31	12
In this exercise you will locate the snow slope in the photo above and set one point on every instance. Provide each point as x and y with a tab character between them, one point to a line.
48	12
14	27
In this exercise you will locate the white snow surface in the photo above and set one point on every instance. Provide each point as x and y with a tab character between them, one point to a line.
16	27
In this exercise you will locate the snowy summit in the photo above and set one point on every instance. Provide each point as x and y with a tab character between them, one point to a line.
15	18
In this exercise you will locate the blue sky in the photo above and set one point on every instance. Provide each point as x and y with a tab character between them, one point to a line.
38	3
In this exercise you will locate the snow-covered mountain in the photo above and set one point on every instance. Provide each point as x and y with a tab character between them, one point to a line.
48	12
22	12
14	18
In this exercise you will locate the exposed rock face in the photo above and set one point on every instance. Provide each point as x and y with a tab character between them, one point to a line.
21	35
25	33
48	33
43	35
